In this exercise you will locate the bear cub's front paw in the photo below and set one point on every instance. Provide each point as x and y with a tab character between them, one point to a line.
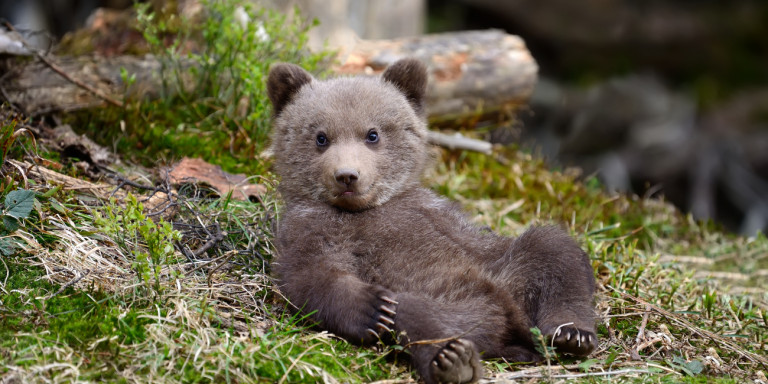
575	341
457	362
381	317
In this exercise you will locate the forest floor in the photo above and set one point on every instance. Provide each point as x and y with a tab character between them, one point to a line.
118	273
98	288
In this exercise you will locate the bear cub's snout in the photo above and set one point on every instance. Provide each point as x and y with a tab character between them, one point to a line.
346	177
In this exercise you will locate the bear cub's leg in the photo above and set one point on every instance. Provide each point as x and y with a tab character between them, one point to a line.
554	275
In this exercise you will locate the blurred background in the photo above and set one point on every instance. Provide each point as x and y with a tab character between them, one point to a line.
653	97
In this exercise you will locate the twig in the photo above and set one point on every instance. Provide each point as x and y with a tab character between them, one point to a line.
69	284
647	343
226	257
63	74
526	375
168	191
443	340
123	181
209	244
185	251
639	345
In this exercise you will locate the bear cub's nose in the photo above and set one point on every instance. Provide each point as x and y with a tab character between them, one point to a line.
346	176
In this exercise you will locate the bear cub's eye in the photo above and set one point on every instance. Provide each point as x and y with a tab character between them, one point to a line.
373	137
321	140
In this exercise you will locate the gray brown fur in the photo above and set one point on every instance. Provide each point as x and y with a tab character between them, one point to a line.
365	248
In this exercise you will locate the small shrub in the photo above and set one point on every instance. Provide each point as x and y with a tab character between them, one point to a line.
150	242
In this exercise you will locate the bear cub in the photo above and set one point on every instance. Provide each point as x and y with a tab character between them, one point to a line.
372	255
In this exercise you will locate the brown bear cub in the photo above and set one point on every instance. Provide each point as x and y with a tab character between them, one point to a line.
372	255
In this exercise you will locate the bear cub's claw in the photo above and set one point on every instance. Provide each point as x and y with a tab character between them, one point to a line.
457	362
575	341
383	321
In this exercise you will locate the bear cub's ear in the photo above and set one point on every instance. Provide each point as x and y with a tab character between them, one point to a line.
283	82
410	76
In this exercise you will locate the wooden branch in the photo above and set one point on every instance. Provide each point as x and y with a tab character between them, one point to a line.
458	142
471	73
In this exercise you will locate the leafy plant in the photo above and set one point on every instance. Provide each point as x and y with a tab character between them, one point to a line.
150	242
541	345
18	205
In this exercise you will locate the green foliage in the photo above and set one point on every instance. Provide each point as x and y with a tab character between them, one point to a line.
213	102
18	205
541	345
690	368
110	338
150	242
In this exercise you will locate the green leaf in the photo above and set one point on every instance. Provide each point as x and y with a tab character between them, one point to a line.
7	246
57	206
585	365
690	368
19	203
10	223
694	367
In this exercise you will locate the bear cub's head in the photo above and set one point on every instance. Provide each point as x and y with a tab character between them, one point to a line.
353	143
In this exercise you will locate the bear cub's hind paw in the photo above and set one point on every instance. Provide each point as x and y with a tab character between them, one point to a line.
458	362
574	341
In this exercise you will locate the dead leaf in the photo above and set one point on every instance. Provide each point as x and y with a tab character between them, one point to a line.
197	170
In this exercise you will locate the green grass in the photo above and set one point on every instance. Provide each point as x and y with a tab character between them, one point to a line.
82	334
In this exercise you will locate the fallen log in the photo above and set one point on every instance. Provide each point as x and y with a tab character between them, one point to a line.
471	73
37	89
